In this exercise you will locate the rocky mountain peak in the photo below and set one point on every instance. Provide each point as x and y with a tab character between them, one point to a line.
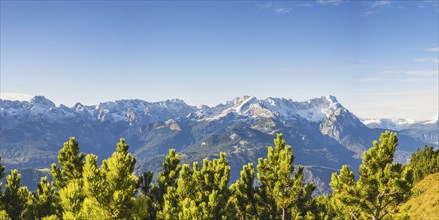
331	98
314	110
41	101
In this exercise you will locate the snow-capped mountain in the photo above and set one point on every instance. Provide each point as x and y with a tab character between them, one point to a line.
118	111
424	130
399	124
314	110
323	133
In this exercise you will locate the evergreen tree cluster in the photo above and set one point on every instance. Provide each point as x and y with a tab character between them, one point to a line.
380	190
185	191
81	189
424	162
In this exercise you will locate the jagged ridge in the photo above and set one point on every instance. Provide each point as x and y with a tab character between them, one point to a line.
323	133
315	110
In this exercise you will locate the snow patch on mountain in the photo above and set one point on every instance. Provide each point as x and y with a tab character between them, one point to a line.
139	111
314	110
433	120
130	111
399	123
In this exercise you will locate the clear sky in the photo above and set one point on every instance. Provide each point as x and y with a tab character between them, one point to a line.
379	58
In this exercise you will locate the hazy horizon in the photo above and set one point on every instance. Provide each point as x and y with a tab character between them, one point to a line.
379	58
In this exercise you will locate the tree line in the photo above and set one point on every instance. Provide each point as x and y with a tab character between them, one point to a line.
274	189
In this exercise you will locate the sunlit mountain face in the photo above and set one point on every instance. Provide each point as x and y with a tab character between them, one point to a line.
323	134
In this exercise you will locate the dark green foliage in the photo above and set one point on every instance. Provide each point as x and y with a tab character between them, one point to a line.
424	162
325	208
2	174
47	201
15	197
71	161
168	177
2	170
143	208
144	182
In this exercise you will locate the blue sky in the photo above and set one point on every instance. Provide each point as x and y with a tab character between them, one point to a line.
379	58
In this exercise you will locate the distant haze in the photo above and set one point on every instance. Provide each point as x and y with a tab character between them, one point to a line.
379	60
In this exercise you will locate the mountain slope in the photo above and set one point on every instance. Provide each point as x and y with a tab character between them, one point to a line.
425	131
424	203
398	124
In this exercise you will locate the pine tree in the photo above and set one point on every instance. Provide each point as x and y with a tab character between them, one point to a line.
243	199
96	202
47	201
92	209
382	185
171	205
2	174
190	210
144	206
50	217
2	170
94	179
120	180
4	215
144	182
30	210
305	205
189	193
283	193
71	198
167	177
15	197
71	161
325	208
386	185
176	199
212	180
67	180
200	193
424	162
345	194
108	191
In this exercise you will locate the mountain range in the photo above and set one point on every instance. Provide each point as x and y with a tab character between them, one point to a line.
323	134
425	130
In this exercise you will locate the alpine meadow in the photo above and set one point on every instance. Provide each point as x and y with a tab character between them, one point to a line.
219	110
